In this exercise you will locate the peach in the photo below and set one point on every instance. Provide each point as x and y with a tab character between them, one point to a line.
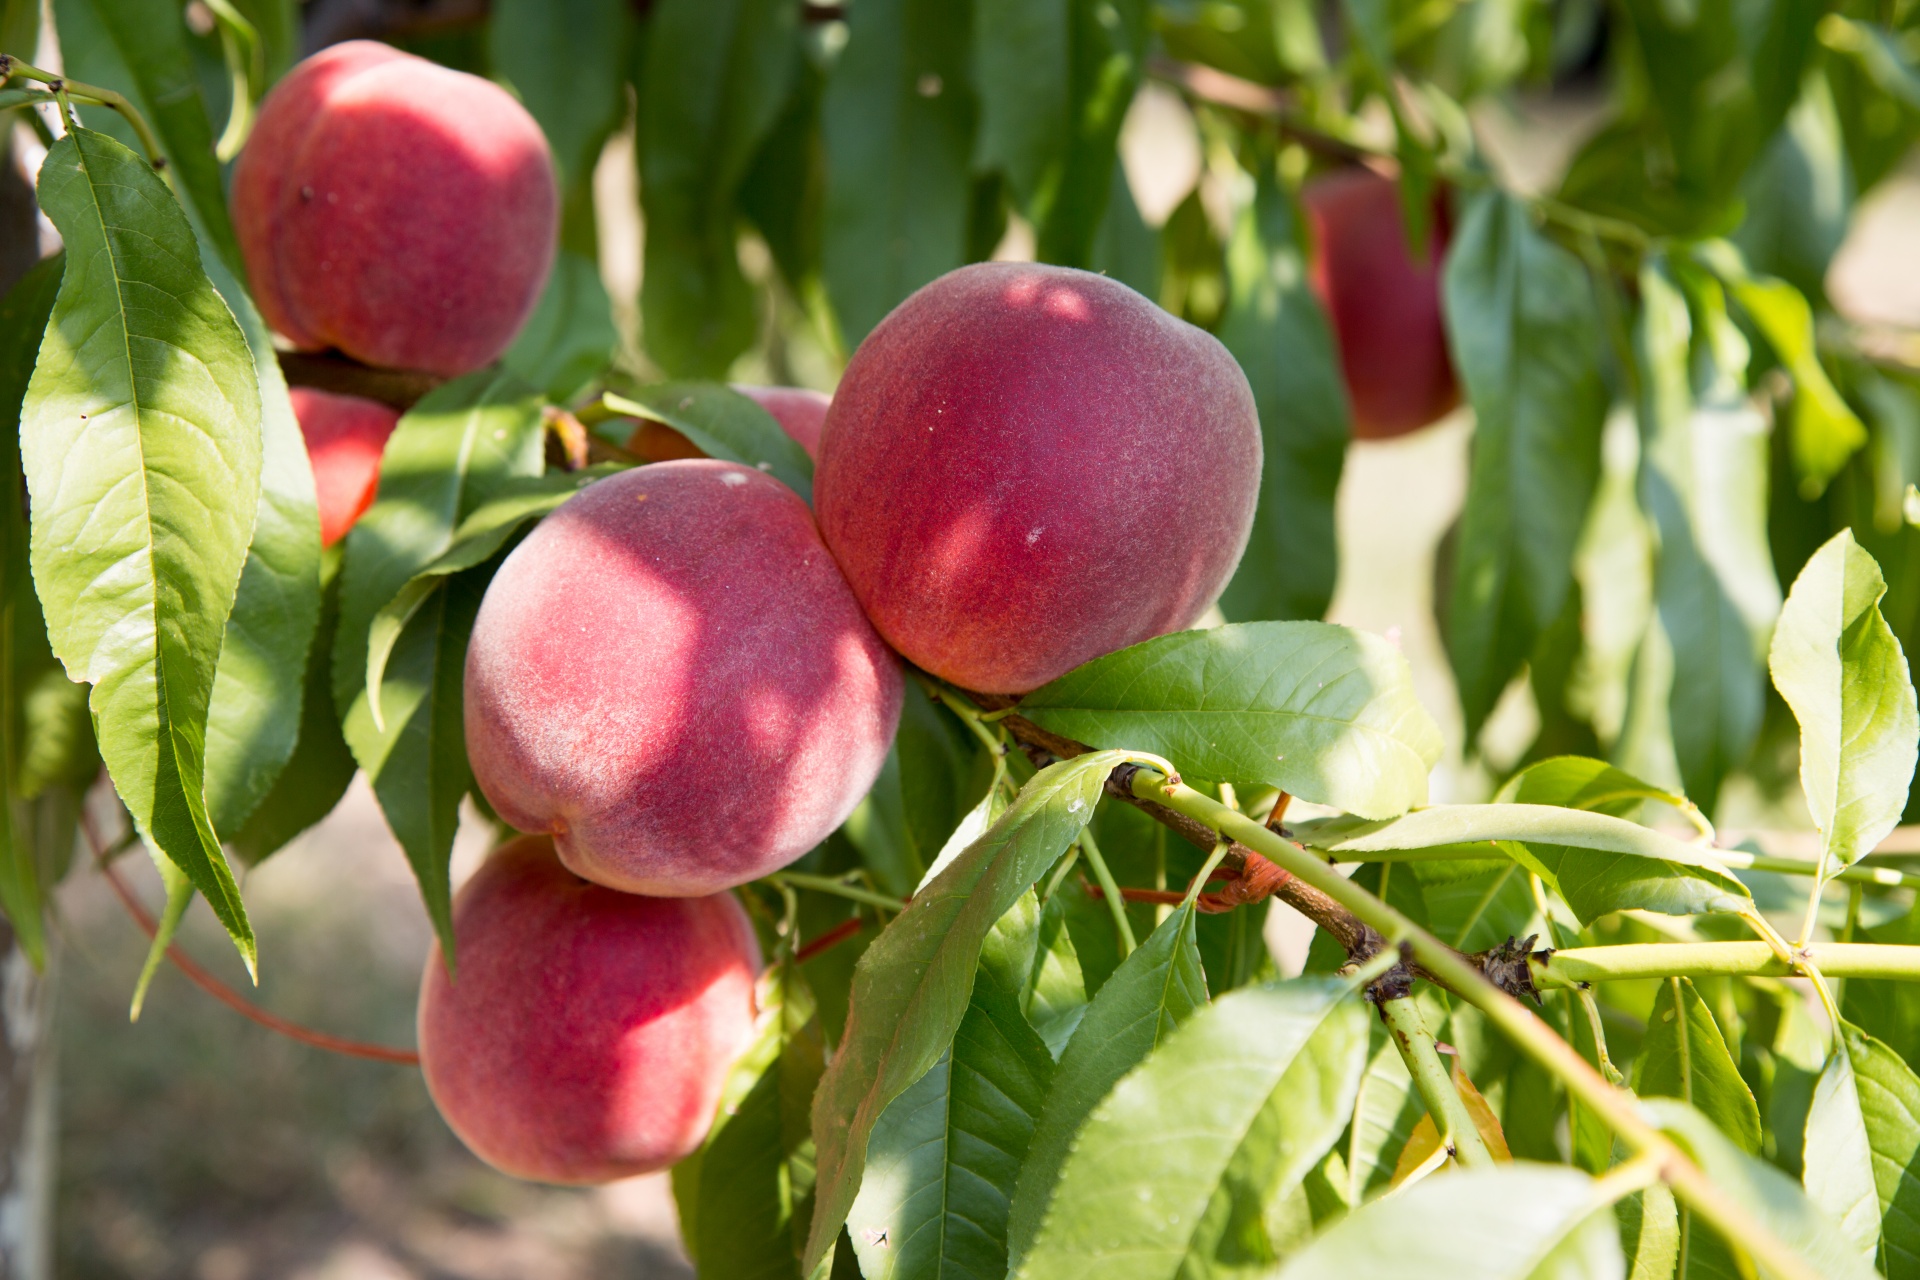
401	211
670	676
345	436
1385	307
1026	467
800	413
587	1033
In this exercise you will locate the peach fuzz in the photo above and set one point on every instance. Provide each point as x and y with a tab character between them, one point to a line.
1026	467
671	677
587	1033
401	211
345	437
1385	307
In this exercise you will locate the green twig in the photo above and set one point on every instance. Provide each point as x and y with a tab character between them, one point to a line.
839	889
1617	1109
59	85
1448	1109
1110	890
1730	959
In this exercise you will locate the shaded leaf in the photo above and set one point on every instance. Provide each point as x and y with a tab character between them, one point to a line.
1108	51
566	60
716	75
570	337
1826	431
1841	669
943	1157
1323	712
912	985
722	423
455	449
1155	989
1276	329
1526	338
898	123
1506	1223
1762	1190
1862	1153
1685	1057
1261	1081
1022	51
140	526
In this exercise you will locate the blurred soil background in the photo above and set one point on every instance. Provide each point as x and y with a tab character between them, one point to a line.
198	1146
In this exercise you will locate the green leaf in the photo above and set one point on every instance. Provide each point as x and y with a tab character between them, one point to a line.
141	442
1276	329
743	1196
1155	989
1511	1222
1385	1111
179	898
569	340
1261	1083
1839	667
722	423
1323	712
1862	1154
1762	1190
479	538
566	59
1703	480
139	47
1593	859
321	767
455	449
942	774
1650	1230
911	988
1684	1056
253	722
1576	782
898	123
1031	954
1826	431
23	319
1799	197
1108	42
1526	337
717	73
1022	52
943	1157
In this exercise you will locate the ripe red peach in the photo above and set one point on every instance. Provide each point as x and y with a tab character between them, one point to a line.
345	436
672	678
587	1033
1026	467
401	211
1385	307
800	413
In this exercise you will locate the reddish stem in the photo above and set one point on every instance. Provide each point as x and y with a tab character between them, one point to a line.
828	940
234	1000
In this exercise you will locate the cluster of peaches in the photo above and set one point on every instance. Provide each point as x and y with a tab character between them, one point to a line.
684	678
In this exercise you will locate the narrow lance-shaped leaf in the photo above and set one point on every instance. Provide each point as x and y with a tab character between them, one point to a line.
1703	479
478	539
1841	669
717	73
1599	863
1526	337
943	1157
1684	1056
141	443
1513	1222
253	724
566	59
1108	45
139	47
722	423
23	319
1276	329
1022	50
1172	1173
1765	1193
1155	989
569	339
454	450
1861	1161
912	985
898	122
1323	712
